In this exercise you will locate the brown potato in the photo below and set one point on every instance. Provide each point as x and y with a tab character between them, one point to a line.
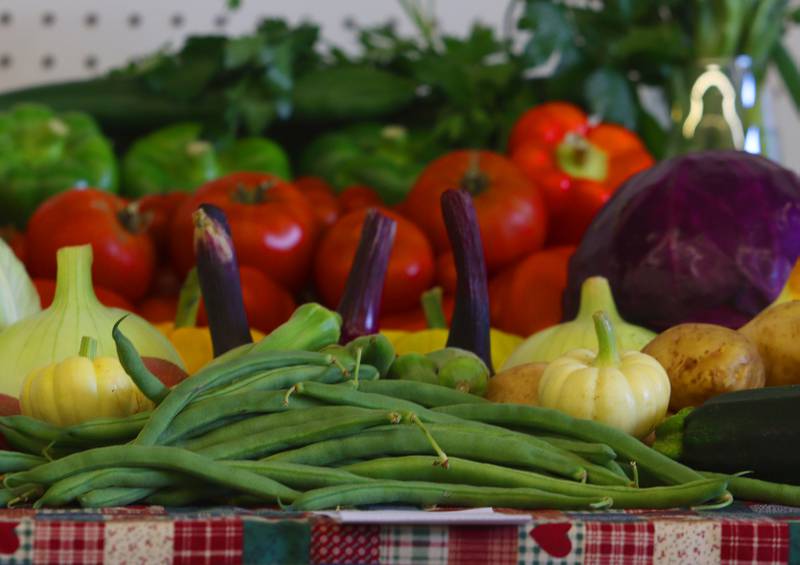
517	385
704	360
776	332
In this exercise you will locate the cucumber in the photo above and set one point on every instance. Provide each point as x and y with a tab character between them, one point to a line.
756	431
351	93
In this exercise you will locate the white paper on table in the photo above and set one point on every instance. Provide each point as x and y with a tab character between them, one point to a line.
472	516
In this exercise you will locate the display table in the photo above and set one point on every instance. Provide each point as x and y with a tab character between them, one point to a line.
739	534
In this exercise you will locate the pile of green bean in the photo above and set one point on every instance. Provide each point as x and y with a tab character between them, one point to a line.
312	430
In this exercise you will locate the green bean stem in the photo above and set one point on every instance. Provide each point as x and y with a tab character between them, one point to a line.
432	494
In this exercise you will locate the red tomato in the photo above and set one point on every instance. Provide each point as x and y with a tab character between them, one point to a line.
15	240
165	284
511	212
357	197
267	304
410	270
414	319
156	213
548	122
123	257
157	310
272	225
527	297
47	290
446	276
322	198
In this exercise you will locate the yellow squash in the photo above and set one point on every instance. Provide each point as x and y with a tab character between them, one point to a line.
81	388
629	391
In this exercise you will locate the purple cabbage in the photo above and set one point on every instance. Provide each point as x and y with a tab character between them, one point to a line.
704	237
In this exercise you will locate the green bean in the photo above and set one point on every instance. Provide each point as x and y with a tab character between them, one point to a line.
554	421
300	477
598	453
462	471
346	393
6	496
244	428
104	430
188	389
32	427
408	440
432	494
756	490
616	468
114	496
425	394
150	385
159	457
260	444
24	442
208	414
275	379
16	461
69	488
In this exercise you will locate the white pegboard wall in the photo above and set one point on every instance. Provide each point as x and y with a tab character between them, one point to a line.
44	41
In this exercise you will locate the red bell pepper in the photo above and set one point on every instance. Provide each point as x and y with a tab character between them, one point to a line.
576	162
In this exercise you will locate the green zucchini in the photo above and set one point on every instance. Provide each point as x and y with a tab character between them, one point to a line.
756	430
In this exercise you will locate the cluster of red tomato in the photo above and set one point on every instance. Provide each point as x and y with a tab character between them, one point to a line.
296	241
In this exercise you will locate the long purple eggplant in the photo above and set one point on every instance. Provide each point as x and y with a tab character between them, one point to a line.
361	301
470	326
218	272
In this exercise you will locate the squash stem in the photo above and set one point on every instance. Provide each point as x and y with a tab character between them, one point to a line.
74	278
88	347
607	353
433	309
188	301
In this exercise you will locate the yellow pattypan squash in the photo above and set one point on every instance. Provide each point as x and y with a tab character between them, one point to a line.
629	391
81	388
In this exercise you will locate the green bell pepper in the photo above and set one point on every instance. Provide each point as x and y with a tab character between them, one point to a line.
178	158
255	154
43	153
169	159
385	158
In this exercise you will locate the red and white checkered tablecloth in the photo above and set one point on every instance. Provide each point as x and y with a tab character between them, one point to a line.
744	533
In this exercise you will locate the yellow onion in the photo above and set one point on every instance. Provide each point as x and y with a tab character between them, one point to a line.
55	333
550	343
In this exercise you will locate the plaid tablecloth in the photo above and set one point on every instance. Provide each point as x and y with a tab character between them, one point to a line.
153	535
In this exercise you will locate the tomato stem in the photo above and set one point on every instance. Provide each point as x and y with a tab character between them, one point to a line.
433	309
474	180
